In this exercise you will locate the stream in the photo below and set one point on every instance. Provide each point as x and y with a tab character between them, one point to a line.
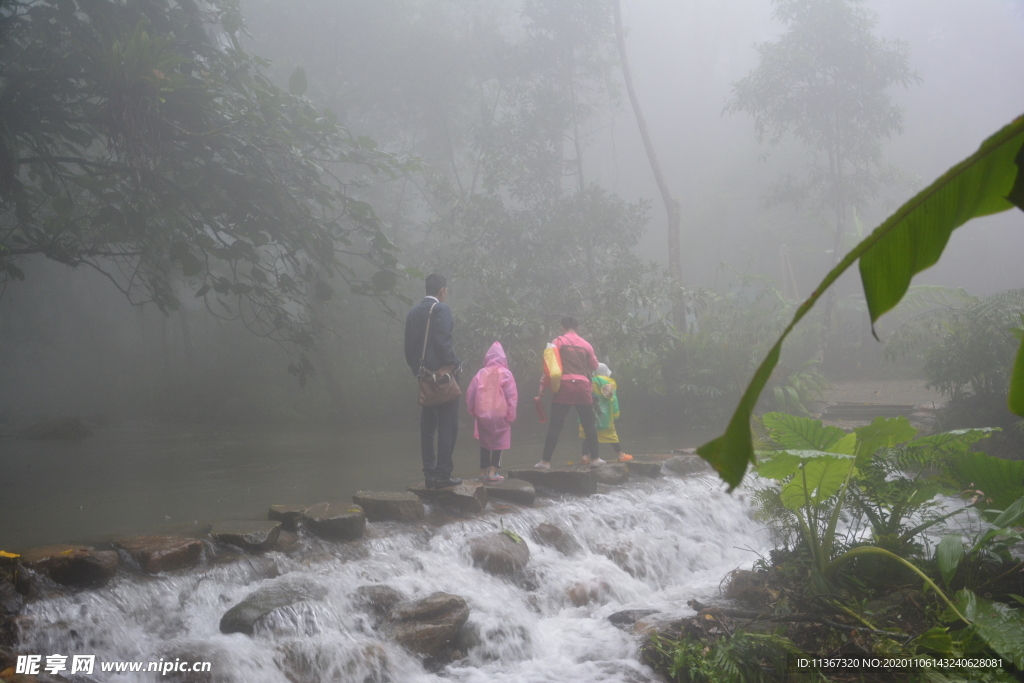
650	544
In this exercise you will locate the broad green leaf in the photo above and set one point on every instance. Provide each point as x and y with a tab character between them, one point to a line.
1011	516
907	242
882	433
936	639
782	464
1001	481
946	444
822	477
948	555
1000	626
803	433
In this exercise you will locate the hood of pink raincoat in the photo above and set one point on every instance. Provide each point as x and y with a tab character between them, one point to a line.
495	356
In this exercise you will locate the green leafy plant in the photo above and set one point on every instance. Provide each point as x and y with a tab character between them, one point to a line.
736	658
909	241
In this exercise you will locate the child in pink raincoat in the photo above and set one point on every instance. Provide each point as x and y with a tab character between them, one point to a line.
491	399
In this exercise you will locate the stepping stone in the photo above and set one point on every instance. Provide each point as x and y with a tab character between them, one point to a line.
644	468
579	480
288	515
612	473
498	553
72	565
252	536
376	598
556	537
627	617
335	521
469	498
399	506
513	490
687	464
161	553
429	625
242	617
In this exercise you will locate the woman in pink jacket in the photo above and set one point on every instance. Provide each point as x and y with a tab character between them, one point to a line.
491	399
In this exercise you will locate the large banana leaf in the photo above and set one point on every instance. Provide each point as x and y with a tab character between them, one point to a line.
909	241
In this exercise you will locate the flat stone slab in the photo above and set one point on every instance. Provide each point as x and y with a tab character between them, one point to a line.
499	553
248	535
72	565
685	465
242	617
335	521
517	491
556	537
397	506
612	473
469	498
288	515
161	553
579	480
429	625
644	468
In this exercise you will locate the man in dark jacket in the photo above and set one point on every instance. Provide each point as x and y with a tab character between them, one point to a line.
442	418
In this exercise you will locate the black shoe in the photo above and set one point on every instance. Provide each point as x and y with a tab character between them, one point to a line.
443	483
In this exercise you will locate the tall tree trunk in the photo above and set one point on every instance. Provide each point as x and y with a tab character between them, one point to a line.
839	205
672	208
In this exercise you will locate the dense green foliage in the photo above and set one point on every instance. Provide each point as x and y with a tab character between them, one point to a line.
909	241
140	140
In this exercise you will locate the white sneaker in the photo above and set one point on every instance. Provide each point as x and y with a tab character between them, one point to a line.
542	465
595	463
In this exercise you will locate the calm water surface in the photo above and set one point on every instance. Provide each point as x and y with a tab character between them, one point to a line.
146	477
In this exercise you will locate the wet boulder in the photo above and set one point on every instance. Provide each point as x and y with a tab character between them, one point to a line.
517	491
685	465
72	565
288	515
468	498
612	473
397	506
243	617
11	601
248	535
430	625
627	617
580	480
377	599
499	553
161	553
556	537
335	521
644	468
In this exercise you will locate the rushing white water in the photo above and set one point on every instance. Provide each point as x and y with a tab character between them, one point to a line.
671	540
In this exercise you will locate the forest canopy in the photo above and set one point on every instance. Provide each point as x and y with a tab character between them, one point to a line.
140	139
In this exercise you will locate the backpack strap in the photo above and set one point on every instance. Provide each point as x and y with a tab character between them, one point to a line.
426	335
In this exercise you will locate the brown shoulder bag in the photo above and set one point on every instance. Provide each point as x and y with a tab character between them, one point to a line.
437	386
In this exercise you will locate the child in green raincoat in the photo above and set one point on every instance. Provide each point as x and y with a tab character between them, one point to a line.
606	409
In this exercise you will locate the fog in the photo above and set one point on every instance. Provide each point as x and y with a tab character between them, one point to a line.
71	344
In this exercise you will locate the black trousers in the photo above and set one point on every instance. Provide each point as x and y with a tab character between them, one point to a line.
489	458
559	411
443	419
